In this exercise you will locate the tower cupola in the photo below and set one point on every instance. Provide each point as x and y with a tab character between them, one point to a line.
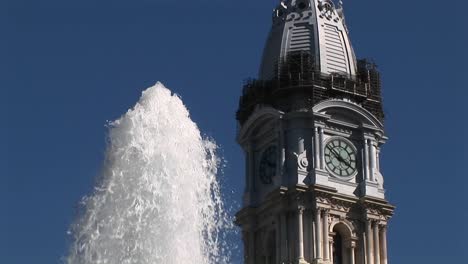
313	27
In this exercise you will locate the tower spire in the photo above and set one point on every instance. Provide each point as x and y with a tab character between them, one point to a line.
315	27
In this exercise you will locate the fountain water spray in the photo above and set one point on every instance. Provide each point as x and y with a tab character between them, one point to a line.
158	198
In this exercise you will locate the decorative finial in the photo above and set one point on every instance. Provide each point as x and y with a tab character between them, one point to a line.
340	9
284	5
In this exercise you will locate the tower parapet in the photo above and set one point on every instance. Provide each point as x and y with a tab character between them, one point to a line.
299	86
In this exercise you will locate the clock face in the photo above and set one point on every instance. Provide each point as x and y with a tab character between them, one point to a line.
340	157
268	165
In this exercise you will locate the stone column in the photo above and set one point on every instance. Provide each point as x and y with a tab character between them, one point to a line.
278	238
317	149
300	234
300	145
376	243
352	253
251	168
322	160
247	170
284	237
245	240
326	246
282	157
378	159
383	245
373	160
366	159
369	242
251	256
311	235
318	234
331	249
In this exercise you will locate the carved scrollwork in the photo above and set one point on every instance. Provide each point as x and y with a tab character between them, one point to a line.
341	207
375	211
302	161
327	8
323	200
338	129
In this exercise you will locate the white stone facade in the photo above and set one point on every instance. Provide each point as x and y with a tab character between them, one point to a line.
314	190
304	208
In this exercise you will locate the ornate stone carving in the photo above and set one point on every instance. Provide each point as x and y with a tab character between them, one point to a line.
302	161
341	207
373	211
332	207
330	218
327	8
323	200
338	129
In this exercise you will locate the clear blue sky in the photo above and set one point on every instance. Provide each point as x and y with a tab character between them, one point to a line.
68	66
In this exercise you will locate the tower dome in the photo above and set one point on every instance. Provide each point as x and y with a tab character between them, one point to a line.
315	28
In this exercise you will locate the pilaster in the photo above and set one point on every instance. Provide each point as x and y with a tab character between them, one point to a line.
383	245
318	234
369	242
326	251
352	252
300	235
376	242
284	237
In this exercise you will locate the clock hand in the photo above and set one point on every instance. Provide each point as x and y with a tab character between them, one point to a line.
347	163
338	156
332	151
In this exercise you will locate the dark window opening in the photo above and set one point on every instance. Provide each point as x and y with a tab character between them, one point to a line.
272	248
338	249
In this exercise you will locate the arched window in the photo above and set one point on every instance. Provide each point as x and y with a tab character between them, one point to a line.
342	250
337	249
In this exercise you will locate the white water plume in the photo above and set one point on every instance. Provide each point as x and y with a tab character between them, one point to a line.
158	198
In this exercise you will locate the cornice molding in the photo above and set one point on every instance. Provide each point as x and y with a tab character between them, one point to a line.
365	114
257	119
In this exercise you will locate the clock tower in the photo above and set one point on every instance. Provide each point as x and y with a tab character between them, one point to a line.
311	127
